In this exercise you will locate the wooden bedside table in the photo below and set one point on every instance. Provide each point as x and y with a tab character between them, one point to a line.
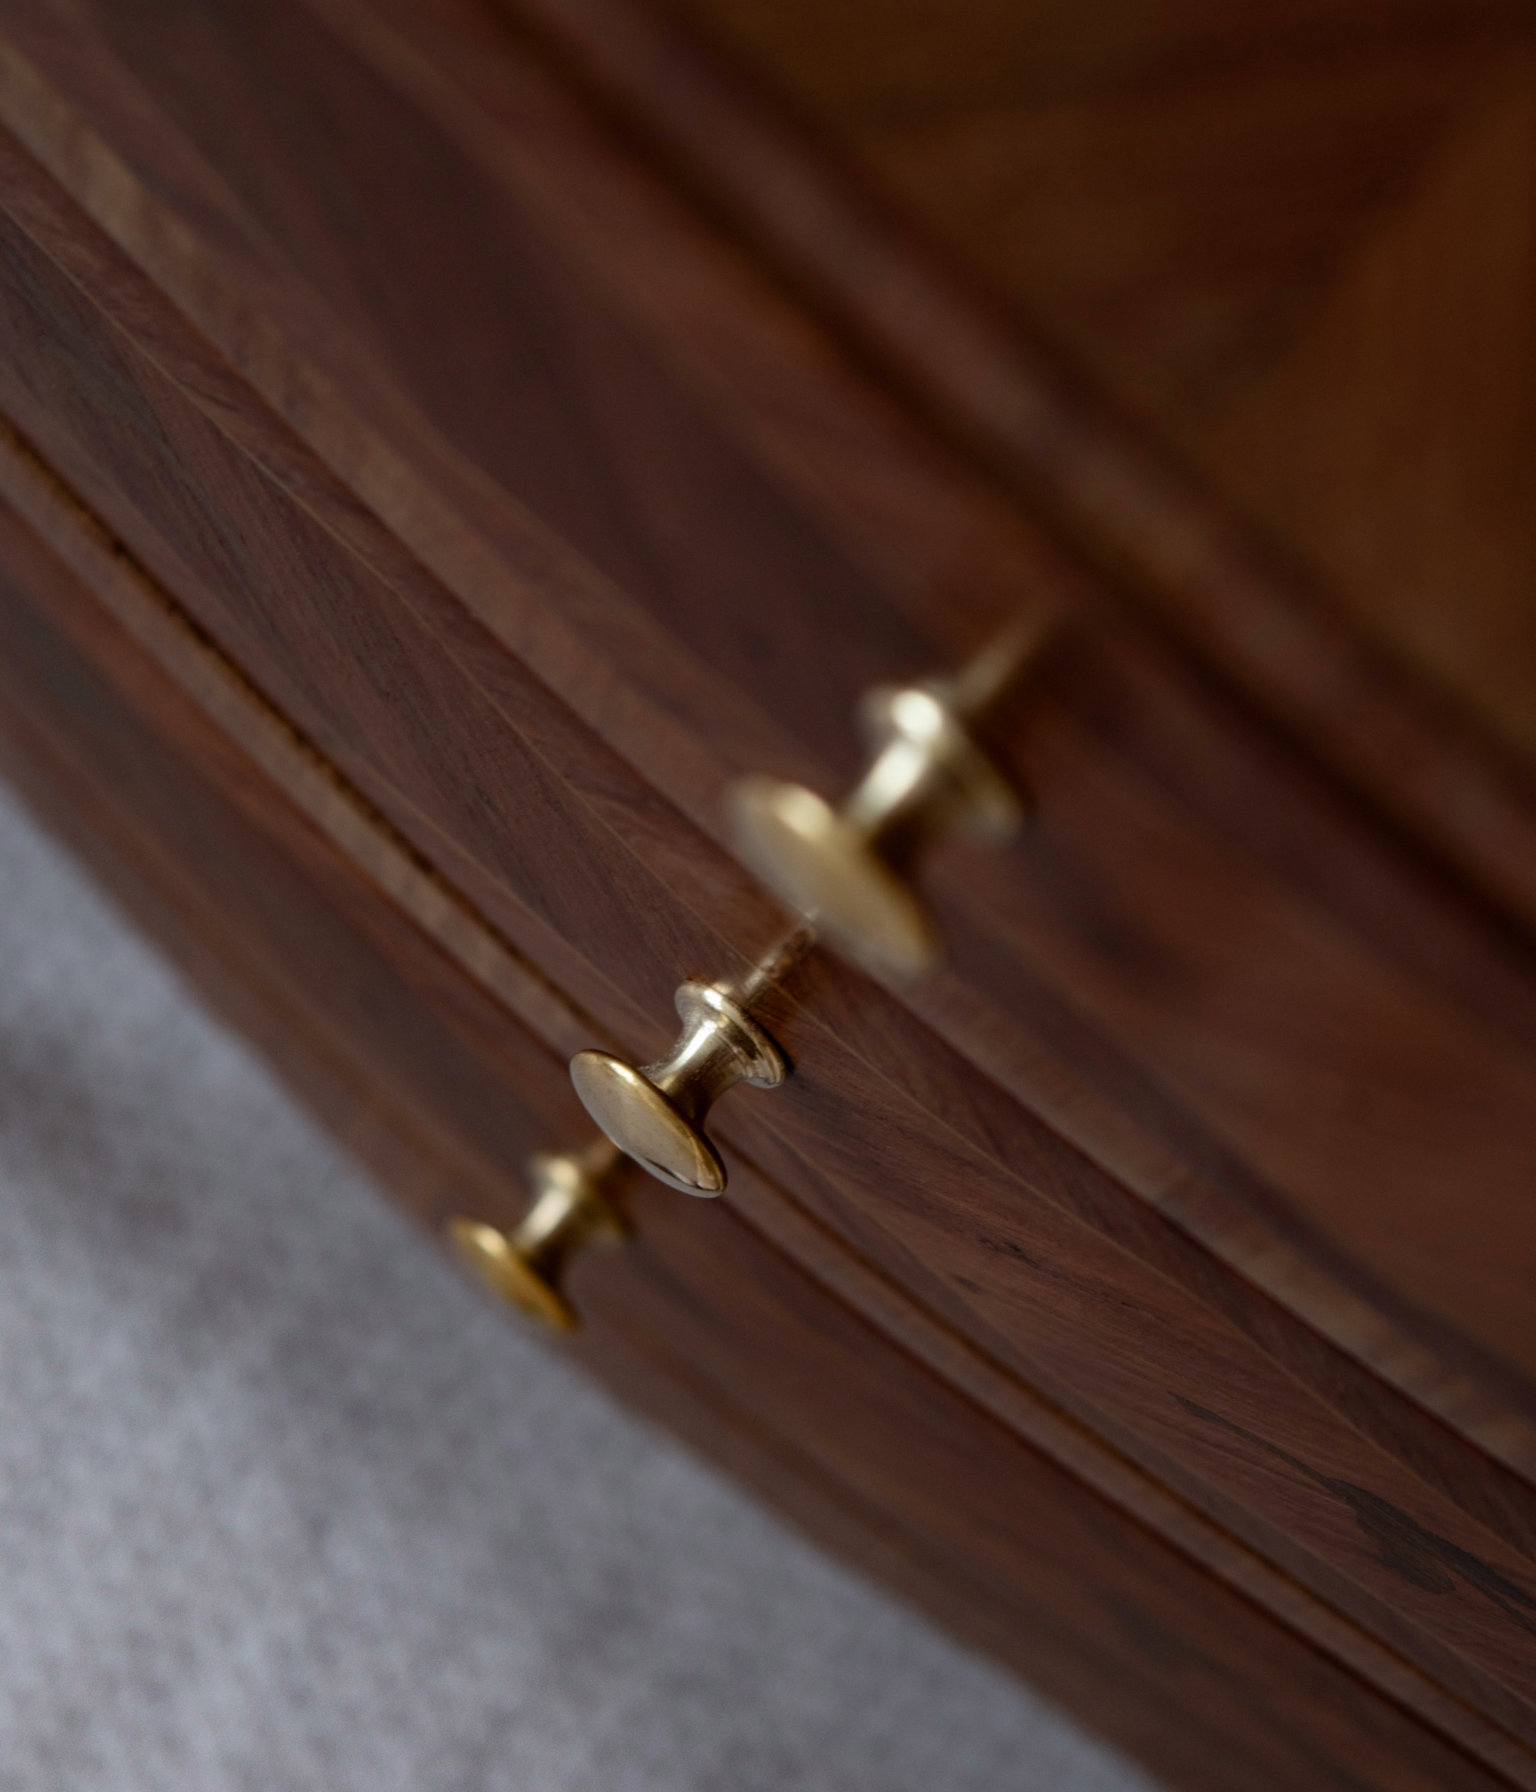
466	470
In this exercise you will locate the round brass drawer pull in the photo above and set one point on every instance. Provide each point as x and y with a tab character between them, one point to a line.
656	1113
846	869
525	1266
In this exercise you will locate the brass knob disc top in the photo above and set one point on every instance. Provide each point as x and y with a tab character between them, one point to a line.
644	1123
829	870
656	1114
489	1254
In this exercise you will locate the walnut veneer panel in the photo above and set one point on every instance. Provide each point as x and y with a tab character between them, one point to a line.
1171	1139
1242	600
1163	181
1295	238
1262	805
700	1321
1394	438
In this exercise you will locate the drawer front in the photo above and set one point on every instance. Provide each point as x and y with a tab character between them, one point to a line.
1078	1146
698	1320
1205	965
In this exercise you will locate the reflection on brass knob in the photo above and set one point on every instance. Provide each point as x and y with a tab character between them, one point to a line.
656	1114
525	1266
845	869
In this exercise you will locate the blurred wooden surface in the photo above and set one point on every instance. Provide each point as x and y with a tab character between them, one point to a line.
387	371
1297	239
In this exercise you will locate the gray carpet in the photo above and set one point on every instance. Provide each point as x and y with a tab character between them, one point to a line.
285	1504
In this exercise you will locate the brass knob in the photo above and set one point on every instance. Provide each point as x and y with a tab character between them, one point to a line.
846	870
525	1266
656	1113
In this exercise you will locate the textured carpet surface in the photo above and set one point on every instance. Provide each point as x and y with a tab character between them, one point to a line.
285	1504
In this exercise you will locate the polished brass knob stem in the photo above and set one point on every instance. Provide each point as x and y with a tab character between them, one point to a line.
845	869
526	1266
928	774
655	1113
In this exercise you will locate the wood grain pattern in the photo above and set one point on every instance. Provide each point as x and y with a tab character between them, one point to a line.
499	621
1303	311
284	761
1133	172
702	1323
361	645
732	1298
1429	1252
1332	322
985	378
1334	852
1392	439
875	1110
